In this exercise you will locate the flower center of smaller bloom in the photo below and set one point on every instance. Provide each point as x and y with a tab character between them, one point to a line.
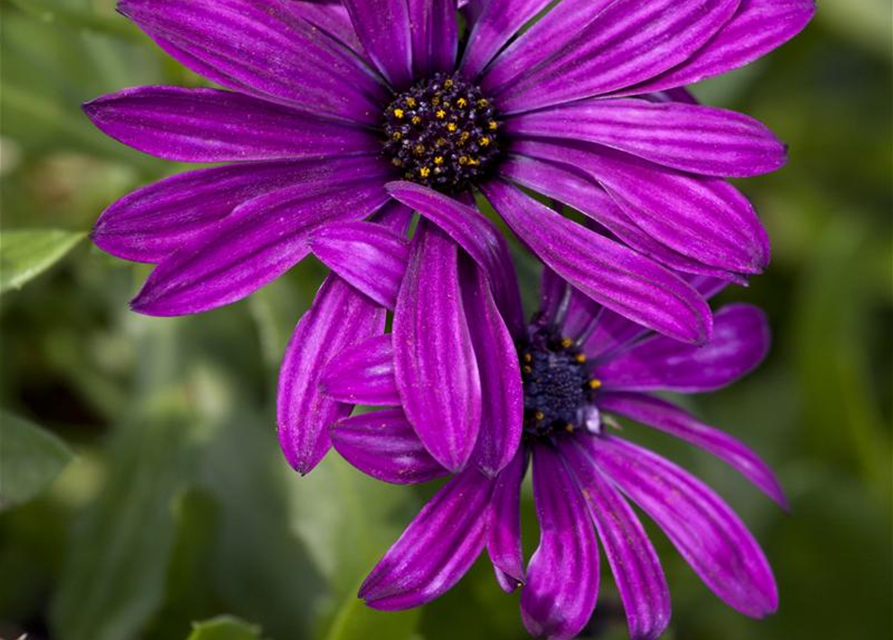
558	385
441	133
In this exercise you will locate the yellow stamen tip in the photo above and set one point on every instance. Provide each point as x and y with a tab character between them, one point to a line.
425	172
539	415
493	125
438	160
580	358
441	114
595	384
485	142
399	113
566	342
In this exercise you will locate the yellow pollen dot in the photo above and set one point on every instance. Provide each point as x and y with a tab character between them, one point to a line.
397	135
419	149
528	357
539	415
435	100
493	126
483	103
397	162
448	83
463	160
595	384
441	114
440	142
416	120
438	160
566	342
485	141
425	172
569	427
473	162
399	113
452	127
579	358
410	102
527	369
462	102
465	136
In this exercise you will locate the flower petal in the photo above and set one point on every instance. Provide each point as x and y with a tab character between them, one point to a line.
261	240
607	272
208	125
363	374
437	374
435	37
497	23
504	524
692	138
384	445
671	419
260	47
563	575
331	17
634	562
437	548
707	533
338	318
740	342
384	29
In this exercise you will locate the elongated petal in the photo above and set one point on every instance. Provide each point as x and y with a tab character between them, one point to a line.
384	445
671	419
500	374
607	272
152	222
260	47
627	43
261	240
437	548
363	374
331	17
707	533
208	125
634	562
740	342
706	219
477	235
504	524
553	295
563	575
690	138
436	370
339	317
435	38
758	27
384	29
369	256
497	23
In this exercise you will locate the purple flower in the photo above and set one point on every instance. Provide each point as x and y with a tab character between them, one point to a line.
328	104
560	380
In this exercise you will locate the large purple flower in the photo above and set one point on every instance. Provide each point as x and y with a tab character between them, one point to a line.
327	103
576	365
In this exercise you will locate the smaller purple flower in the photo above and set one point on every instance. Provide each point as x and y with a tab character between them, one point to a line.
560	379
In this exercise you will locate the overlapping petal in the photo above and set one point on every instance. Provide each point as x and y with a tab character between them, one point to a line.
363	374
435	38
383	27
498	21
504	524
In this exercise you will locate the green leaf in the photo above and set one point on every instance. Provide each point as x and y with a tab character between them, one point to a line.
224	628
25	254
356	621
30	459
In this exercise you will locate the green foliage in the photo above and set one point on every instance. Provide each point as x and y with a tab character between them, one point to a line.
224	628
26	254
30	459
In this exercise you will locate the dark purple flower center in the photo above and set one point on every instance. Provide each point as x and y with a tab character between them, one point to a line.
442	133
558	383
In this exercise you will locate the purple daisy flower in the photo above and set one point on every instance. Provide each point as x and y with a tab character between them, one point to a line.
560	379
327	103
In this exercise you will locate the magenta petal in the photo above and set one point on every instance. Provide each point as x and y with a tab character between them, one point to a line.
687	137
384	445
563	575
707	533
607	272
497	359
208	125
435	38
494	27
669	418
330	16
740	342
634	562
437	548
152	222
338	318
369	256
504	524
436	370
384	29
363	374
261	240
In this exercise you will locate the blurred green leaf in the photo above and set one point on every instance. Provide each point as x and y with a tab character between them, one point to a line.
356	621
224	628
30	459
25	254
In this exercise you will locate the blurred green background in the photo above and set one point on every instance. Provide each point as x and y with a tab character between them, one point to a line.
152	494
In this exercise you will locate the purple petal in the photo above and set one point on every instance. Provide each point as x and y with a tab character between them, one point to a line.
706	219
500	374
504	524
208	125
152	222
260	47
494	27
363	374
437	374
553	295
435	38
477	235
384	445
338	318
437	548
669	418
261	240
563	575
758	27
331	17
629	42
691	138
369	256
707	533
740	342
384	29
607	272
634	562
